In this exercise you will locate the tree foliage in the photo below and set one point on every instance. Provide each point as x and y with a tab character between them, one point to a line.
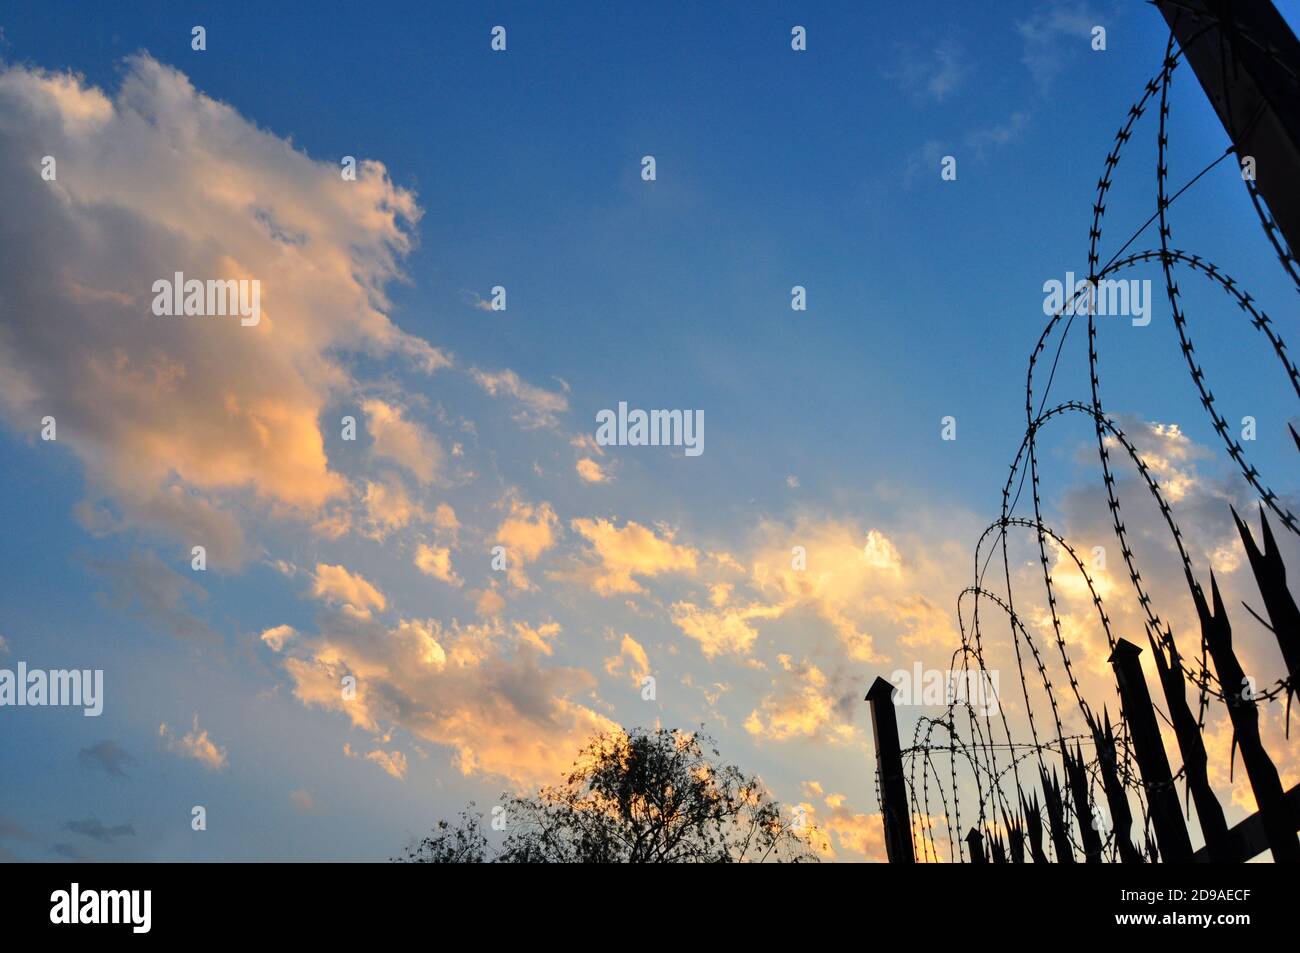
640	797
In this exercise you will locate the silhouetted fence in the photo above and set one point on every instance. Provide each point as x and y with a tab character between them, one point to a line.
1122	803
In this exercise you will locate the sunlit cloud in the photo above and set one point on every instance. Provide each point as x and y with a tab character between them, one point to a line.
435	561
619	554
802	706
334	584
401	440
195	744
474	688
630	662
527	531
177	418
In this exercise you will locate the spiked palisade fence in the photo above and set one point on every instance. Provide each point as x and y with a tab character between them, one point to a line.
1123	803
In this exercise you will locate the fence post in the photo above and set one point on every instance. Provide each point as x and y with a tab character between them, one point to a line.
997	849
894	809
1056	819
1264	780
1214	826
1121	815
1015	837
1270	576
1076	778
975	843
1162	799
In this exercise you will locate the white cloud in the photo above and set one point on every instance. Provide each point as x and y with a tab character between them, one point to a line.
536	406
932	75
1053	35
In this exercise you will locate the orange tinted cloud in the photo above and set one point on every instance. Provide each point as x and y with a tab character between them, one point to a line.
526	533
435	561
180	420
472	688
631	661
803	706
195	744
335	584
591	471
620	553
402	441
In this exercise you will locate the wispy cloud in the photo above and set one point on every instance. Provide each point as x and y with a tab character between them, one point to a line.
1054	34
535	406
932	74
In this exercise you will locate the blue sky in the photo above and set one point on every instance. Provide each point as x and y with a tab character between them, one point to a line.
774	168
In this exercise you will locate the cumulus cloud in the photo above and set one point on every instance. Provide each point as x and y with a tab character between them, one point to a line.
631	661
435	561
175	419
334	584
853	832
850	578
445	521
591	471
526	533
388	507
277	636
803	707
403	441
488	602
541	637
195	744
618	554
727	630
855	581
473	688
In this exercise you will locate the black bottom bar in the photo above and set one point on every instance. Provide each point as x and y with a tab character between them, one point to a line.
931	904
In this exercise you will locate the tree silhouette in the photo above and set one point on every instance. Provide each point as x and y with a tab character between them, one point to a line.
640	797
